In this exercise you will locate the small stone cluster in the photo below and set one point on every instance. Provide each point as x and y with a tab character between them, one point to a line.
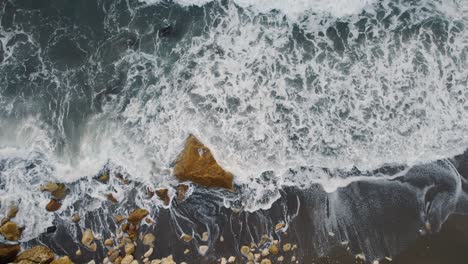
9	250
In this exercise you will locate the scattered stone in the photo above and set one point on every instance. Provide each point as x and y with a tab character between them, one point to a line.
88	240
197	164
279	226
9	252
265	252
294	247
265	261
264	239
149	220
293	258
104	176
203	249
205	236
129	248
76	218
57	190
223	261
111	198
38	254
221	238
280	259
10	231
127	259
109	242
257	257
286	247
53	205
181	191
231	259
245	250
137	215
119	218
12	211
148	253
78	252
156	261
163	194
62	260
168	260
134	262
273	249
149	239
186	238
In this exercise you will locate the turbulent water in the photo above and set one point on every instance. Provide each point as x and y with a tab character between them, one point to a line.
284	93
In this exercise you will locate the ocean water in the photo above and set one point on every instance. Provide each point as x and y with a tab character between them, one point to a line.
286	94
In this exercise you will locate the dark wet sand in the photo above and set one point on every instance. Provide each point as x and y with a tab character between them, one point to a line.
450	245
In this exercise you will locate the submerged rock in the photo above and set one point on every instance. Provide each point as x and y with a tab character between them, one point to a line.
197	164
8	252
10	231
12	212
57	190
38	254
181	191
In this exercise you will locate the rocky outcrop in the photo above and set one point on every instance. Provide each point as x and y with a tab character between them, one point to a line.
38	254
8	252
197	164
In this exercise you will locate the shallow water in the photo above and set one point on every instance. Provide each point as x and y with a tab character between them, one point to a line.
358	106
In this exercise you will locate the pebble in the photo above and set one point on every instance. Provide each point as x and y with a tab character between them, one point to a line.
231	259
245	251
129	248
280	259
127	259
265	252
149	239
286	247
203	249
223	261
78	252
265	261
273	249
279	226
205	236
186	238
186	251
108	242
221	238
148	253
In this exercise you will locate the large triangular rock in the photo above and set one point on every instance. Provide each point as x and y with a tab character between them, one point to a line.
197	164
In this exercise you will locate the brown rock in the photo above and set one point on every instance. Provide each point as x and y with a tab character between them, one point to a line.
8	252
149	239
197	164
53	205
76	218
129	248
62	260
279	226
273	249
111	198
163	195
137	215
58	190
287	247
186	238
181	191
104	177
10	231
108	242
88	239
38	254
119	218
12	212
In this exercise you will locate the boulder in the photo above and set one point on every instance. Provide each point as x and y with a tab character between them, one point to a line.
10	231
197	164
8	252
38	254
